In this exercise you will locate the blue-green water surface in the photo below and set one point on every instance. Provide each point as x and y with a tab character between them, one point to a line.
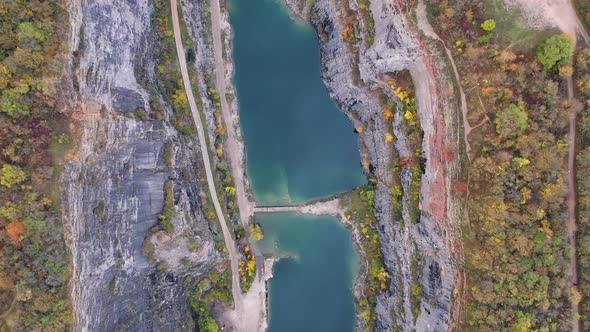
312	287
299	146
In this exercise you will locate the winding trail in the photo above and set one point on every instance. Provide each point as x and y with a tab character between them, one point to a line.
427	29
227	237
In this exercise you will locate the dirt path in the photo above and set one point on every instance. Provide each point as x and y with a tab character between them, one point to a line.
571	205
427	29
252	314
572	227
228	239
567	20
234	149
8	311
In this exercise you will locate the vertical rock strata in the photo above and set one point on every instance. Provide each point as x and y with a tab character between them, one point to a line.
114	181
354	75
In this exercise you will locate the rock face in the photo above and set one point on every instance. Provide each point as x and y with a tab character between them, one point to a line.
354	80
114	182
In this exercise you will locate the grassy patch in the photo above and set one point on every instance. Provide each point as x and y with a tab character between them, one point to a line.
510	28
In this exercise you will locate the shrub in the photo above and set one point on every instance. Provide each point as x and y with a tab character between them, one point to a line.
488	25
256	231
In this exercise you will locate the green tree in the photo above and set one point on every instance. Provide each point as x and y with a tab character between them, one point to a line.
12	105
26	59
180	100
28	33
5	76
256	231
488	25
209	325
556	50
512	120
11	175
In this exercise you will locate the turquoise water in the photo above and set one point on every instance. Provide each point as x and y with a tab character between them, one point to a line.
312	288
299	146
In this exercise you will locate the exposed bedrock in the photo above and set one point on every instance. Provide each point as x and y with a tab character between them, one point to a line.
433	245
114	181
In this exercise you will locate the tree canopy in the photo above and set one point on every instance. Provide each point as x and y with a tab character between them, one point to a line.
11	175
512	120
489	24
556	50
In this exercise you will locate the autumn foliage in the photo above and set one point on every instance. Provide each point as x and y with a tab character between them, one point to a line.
14	230
516	257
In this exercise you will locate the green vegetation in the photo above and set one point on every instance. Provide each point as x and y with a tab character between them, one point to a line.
11	175
417	289
510	30
34	268
489	25
212	93
169	154
401	85
247	268
169	211
582	82
512	121
256	232
556	50
368	21
360	209
516	257
396	192
168	71
214	288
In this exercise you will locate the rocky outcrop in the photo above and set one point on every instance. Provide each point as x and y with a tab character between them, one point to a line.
114	181
354	77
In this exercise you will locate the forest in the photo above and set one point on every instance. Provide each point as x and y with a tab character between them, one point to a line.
517	257
34	268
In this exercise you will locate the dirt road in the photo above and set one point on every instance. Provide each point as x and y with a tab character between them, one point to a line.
228	239
571	204
233	146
